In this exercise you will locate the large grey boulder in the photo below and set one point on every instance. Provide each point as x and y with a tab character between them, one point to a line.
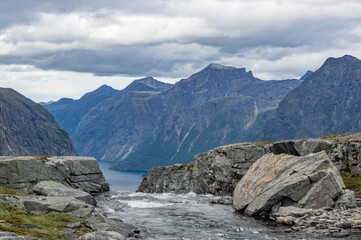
77	172
55	189
310	181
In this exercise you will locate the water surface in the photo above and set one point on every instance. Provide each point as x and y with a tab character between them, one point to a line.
120	180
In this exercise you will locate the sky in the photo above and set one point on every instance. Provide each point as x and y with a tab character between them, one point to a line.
54	49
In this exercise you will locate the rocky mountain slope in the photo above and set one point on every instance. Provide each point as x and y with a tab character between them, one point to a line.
328	101
150	123
68	112
26	128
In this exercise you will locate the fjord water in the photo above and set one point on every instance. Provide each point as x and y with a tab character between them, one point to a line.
118	180
180	216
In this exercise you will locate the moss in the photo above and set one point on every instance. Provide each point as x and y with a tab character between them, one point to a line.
43	158
332	136
262	143
188	166
353	182
50	225
7	190
331	148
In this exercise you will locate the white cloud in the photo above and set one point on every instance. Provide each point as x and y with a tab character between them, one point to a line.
40	85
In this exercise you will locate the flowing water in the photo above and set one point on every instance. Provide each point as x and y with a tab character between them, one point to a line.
181	217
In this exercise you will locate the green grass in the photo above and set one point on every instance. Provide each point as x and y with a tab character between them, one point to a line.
6	190
262	143
51	225
331	136
352	182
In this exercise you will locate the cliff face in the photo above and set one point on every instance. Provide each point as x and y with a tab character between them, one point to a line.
26	128
218	171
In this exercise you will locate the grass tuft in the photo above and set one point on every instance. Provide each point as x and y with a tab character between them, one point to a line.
7	190
352	182
46	226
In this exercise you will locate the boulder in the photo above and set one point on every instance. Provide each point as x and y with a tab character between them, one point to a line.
55	189
42	205
101	223
347	200
77	172
102	235
310	181
217	171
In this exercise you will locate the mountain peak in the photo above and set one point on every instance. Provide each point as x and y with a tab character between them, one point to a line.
148	84
308	73
344	59
219	67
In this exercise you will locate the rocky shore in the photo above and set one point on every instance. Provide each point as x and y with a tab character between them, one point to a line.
53	197
293	182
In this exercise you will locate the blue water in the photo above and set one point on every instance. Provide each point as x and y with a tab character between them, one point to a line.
119	180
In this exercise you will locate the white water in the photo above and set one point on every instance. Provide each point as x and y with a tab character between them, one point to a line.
189	216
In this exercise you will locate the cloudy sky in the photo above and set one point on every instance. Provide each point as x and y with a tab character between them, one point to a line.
53	49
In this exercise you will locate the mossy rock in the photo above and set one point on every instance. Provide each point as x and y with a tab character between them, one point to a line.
45	226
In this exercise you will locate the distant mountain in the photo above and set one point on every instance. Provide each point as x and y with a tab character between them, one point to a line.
308	73
328	101
151	123
68	112
26	128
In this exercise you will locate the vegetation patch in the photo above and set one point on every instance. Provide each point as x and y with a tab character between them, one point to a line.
7	190
353	182
332	136
188	166
262	143
331	148
44	158
46	226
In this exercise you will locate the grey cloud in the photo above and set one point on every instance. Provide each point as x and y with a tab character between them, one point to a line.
303	36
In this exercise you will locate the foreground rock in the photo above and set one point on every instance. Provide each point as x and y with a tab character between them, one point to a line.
77	172
55	189
41	205
99	222
62	185
335	223
103	235
219	170
311	181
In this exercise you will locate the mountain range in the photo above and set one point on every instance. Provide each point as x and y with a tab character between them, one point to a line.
150	123
26	128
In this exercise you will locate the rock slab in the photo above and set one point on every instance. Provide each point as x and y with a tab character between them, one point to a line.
55	189
24	172
310	181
